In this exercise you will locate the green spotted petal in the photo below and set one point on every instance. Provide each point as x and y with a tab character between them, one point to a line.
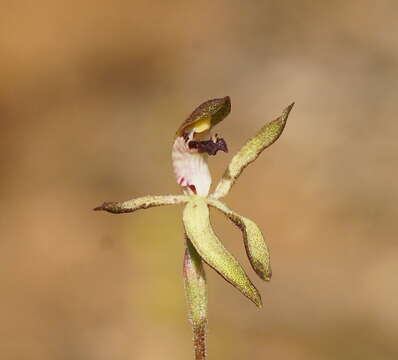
196	294
200	232
267	135
256	248
144	202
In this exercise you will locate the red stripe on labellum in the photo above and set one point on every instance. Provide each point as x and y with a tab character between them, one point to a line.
193	188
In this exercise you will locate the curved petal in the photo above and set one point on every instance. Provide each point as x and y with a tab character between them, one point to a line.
256	248
200	232
144	202
196	294
267	135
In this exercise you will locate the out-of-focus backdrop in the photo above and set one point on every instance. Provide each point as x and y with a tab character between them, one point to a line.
91	94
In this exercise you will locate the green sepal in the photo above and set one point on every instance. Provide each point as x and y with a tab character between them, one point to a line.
267	135
211	250
256	248
144	202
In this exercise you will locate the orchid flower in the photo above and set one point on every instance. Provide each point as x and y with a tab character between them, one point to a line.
192	145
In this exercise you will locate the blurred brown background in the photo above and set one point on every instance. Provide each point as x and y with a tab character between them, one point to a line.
91	94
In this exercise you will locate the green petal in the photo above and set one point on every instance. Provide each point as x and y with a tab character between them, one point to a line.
144	202
196	294
256	248
267	135
200	232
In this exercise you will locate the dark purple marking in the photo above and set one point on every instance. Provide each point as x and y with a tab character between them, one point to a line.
209	146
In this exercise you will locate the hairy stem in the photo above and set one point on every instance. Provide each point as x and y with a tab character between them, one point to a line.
196	294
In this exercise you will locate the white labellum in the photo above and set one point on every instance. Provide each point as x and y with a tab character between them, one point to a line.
190	167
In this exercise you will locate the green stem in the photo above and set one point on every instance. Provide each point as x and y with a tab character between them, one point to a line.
196	294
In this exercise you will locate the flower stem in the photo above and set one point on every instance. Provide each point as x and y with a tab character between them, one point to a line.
196	294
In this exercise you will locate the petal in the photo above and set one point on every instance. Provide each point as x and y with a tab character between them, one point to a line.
256	248
144	202
200	232
267	135
196	294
